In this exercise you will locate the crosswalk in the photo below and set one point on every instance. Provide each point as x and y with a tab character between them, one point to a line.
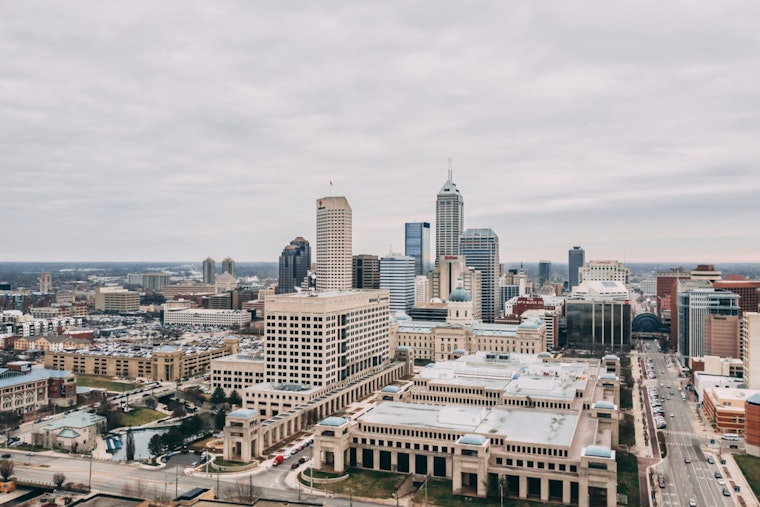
681	433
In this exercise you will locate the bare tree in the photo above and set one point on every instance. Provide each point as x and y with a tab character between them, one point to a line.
6	469
242	491
58	479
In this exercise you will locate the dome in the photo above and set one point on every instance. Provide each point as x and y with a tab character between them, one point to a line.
607	405
460	295
401	316
243	413
390	389
472	440
333	421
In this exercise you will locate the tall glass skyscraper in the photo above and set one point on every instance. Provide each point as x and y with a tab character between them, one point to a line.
449	219
417	245
481	250
576	258
295	262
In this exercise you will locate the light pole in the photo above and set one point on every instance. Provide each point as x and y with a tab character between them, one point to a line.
350	497
89	482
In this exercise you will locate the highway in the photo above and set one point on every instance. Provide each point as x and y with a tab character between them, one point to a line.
687	473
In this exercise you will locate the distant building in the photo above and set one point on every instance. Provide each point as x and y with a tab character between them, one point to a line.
397	277
666	285
480	247
46	282
607	270
576	258
209	271
544	272
116	299
203	317
421	289
748	290
334	240
365	272
155	281
722	336
295	262
417	245
228	266
694	304
445	276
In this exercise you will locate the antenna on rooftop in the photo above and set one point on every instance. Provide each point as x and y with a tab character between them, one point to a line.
451	169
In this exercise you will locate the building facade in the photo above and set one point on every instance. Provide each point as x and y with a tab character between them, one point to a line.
544	272
417	245
155	281
449	219
576	258
334	243
228	266
397	277
209	271
606	270
325	337
480	247
693	307
117	300
25	390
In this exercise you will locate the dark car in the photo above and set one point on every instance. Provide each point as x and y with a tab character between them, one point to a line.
294	466
6	456
686	460
726	492
303	459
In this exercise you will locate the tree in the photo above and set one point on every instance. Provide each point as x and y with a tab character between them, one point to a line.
179	412
191	426
218	396
6	469
235	399
155	445
130	446
172	438
58	479
220	419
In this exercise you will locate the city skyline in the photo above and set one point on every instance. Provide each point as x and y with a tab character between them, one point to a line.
137	133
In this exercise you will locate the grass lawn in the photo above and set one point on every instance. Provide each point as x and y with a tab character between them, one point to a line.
750	466
628	476
101	382
363	483
627	430
140	416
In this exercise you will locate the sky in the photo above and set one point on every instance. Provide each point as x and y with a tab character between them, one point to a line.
176	130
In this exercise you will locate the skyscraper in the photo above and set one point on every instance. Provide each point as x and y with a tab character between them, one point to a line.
544	272
295	262
334	239
481	250
417	245
397	277
365	272
209	271
576	258
449	219
228	266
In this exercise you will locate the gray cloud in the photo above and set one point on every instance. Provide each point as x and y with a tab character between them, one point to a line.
177	130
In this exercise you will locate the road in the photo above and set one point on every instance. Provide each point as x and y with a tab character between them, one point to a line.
121	478
684	481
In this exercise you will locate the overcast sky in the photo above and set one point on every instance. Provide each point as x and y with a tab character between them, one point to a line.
169	131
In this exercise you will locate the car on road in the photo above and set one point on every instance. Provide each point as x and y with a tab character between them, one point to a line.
718	475
672	414
687	460
194	464
303	459
711	460
726	492
294	465
692	502
722	482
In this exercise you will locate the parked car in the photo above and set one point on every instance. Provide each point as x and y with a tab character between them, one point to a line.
6	455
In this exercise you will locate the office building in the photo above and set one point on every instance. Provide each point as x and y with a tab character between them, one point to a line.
35	388
576	258
666	286
449	220
155	281
397	277
598	317
209	271
480	247
544	272
334	240
46	282
237	372
748	291
607	270
417	245
365	272
694	303
295	262
228	266
116	299
326	337
208	317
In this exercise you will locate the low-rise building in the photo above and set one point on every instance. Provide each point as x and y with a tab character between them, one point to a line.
76	432
725	408
237	372
202	317
25	390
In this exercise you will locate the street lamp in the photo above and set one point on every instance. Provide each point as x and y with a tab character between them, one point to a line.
89	482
